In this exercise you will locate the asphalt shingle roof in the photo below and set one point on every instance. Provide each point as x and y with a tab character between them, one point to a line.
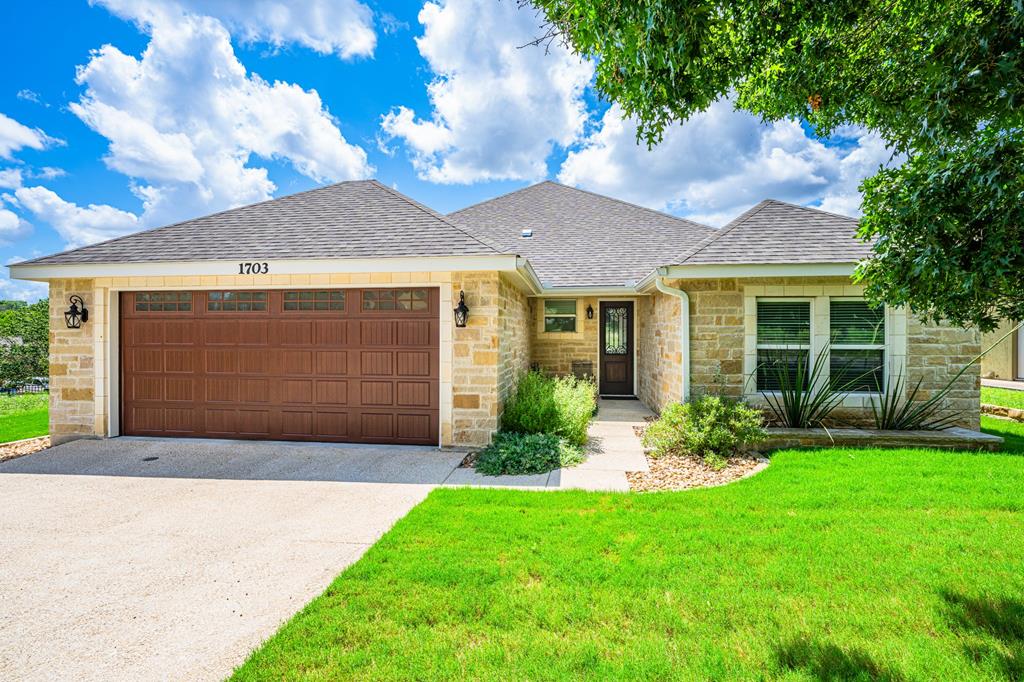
581	238
778	232
357	219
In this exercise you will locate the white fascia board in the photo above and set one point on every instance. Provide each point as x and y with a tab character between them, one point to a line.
740	270
45	271
562	292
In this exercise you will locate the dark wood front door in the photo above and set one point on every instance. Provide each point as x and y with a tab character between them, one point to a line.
355	365
616	348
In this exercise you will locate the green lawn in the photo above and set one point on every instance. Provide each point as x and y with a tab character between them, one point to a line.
1002	396
24	416
832	564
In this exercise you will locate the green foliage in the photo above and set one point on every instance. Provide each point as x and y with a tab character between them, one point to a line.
26	402
711	427
526	453
804	399
561	406
939	80
24	343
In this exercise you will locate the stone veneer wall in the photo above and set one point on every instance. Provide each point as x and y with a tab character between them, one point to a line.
659	353
723	341
77	375
514	339
79	359
554	352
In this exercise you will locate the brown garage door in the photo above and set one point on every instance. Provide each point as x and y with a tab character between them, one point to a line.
355	365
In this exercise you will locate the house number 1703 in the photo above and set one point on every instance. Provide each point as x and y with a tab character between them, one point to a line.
253	268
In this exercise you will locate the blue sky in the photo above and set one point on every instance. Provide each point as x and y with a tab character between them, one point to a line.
118	115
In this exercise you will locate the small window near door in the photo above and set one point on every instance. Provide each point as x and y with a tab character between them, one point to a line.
559	315
164	301
857	346
236	301
314	300
783	342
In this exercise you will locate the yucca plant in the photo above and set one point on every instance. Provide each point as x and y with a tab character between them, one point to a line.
895	411
804	398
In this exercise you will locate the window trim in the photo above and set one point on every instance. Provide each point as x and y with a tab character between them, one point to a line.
809	346
574	315
883	346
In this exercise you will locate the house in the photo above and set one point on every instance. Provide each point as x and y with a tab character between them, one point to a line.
329	315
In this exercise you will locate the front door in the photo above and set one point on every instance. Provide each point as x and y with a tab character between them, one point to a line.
616	348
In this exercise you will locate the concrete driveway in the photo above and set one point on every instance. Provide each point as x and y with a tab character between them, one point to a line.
114	565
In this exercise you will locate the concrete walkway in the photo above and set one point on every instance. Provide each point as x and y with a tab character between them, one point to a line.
613	450
1003	383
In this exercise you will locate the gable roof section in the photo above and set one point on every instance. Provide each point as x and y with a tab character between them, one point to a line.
580	239
778	232
355	219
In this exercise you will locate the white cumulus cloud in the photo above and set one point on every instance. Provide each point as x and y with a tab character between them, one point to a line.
720	162
188	124
76	224
341	27
10	178
12	227
15	136
497	109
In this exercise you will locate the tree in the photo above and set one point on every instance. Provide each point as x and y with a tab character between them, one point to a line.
24	343
941	80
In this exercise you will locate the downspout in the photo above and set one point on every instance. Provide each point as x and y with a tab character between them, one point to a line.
684	326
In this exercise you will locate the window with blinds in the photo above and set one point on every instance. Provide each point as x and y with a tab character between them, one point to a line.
783	342
856	346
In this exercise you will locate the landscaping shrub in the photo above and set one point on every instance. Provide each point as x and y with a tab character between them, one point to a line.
560	406
526	453
711	427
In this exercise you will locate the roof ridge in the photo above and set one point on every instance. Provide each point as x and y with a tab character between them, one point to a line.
724	230
500	196
813	208
431	212
189	220
663	214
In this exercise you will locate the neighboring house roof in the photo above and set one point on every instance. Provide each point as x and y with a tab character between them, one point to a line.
778	232
581	238
357	219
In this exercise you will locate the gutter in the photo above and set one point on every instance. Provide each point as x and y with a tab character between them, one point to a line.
684	326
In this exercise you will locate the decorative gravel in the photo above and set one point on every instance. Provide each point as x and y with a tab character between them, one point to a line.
23	447
673	472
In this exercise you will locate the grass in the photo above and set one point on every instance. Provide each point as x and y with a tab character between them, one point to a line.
1004	397
831	564
24	416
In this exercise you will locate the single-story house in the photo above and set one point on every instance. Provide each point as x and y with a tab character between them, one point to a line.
331	315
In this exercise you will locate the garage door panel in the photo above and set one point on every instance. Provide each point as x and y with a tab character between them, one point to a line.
338	372
377	333
376	363
413	364
331	392
332	363
297	361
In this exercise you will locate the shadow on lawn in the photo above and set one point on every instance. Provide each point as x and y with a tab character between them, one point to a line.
827	661
1001	618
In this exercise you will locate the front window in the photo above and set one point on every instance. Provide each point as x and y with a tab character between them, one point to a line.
559	315
783	343
857	346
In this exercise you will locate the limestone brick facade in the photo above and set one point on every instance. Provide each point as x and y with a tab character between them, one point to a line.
554	352
481	363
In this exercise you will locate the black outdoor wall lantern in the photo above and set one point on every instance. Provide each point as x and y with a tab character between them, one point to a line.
461	311
590	312
77	313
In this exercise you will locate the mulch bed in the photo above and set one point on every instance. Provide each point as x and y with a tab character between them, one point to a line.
23	447
672	472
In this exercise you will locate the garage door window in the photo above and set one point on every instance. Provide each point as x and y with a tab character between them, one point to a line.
314	300
395	299
164	302
237	301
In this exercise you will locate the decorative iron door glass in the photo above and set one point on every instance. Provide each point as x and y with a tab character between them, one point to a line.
617	348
